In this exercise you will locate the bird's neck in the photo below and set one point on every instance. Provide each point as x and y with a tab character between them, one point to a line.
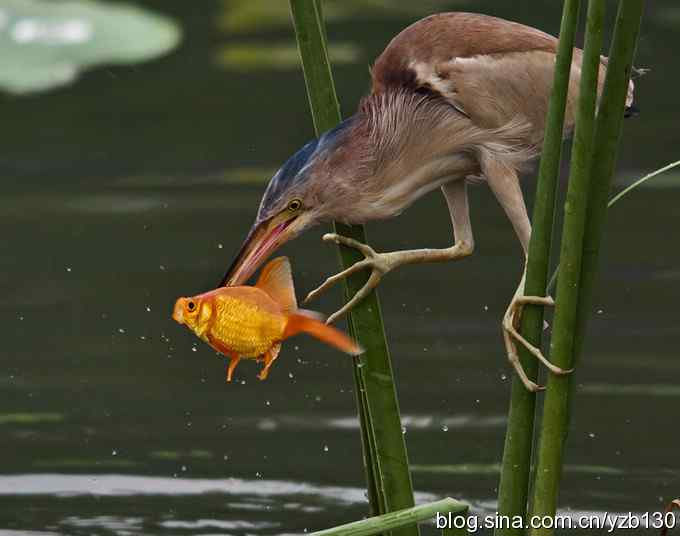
400	146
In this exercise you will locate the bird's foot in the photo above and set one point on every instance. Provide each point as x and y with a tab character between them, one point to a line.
511	336
379	263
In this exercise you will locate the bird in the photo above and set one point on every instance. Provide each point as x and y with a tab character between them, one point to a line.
455	97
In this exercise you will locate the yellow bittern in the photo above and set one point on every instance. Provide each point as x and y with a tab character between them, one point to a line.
455	97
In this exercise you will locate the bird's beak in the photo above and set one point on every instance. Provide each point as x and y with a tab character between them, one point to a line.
262	240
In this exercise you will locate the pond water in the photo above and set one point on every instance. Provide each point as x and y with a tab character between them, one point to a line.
137	184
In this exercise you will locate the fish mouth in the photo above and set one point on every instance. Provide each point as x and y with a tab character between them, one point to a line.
262	240
178	311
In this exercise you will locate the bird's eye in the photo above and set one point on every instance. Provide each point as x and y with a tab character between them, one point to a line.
294	205
191	306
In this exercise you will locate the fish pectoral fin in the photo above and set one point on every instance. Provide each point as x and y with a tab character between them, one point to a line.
269	357
276	279
234	359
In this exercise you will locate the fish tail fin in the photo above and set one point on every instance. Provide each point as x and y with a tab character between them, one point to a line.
303	321
276	279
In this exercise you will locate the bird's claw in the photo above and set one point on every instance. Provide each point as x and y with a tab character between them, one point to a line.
379	263
511	335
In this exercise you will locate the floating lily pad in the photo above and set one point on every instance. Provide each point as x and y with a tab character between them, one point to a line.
44	44
662	390
30	418
280	56
195	454
249	15
495	468
83	463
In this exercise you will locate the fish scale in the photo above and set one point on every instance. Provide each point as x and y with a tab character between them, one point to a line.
245	328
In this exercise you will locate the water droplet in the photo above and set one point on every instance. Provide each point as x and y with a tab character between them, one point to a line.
290	375
296	348
121	330
267	403
403	430
148	308
591	434
68	268
445	428
258	475
225	457
325	448
193	349
142	337
600	311
504	377
486	307
162	267
114	452
317	398
184	468
21	318
219	246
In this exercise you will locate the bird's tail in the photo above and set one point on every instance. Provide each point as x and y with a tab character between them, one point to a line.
302	321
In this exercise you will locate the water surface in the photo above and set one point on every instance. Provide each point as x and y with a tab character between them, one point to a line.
136	185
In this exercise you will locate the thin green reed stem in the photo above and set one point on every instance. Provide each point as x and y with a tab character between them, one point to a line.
608	131
593	145
516	468
395	520
385	458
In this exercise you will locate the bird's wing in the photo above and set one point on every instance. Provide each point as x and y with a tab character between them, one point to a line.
489	69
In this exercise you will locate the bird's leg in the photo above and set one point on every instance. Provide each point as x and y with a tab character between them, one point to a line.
381	263
511	321
505	185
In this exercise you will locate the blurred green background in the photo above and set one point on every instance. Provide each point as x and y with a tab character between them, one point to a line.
134	179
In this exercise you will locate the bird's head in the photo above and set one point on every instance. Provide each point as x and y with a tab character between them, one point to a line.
297	197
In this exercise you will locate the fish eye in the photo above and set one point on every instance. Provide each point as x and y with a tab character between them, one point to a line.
191	306
294	205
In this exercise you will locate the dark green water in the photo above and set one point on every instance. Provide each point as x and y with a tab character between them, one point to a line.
136	185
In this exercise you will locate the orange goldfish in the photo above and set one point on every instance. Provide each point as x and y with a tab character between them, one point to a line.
250	322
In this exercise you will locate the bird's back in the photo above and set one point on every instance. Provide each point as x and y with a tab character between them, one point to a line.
493	71
446	36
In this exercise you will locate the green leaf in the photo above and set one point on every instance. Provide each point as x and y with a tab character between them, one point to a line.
45	44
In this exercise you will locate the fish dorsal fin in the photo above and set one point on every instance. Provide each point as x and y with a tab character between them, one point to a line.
276	279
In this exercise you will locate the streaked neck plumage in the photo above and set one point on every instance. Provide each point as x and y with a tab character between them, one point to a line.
395	149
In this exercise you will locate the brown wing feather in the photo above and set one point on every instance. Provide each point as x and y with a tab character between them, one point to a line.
445	36
491	70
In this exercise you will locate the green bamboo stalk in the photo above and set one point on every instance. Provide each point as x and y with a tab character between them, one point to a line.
594	156
397	520
516	467
385	457
608	131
